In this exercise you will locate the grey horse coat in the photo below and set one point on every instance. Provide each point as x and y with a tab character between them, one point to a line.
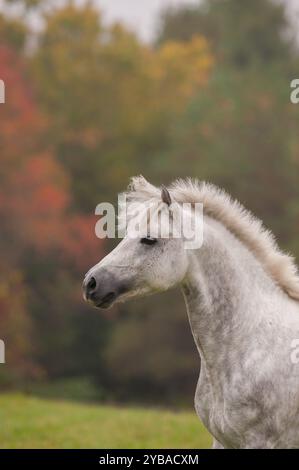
242	297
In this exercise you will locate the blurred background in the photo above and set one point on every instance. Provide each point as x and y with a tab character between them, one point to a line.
98	91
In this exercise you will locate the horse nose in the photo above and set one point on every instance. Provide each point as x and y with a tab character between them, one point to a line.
89	286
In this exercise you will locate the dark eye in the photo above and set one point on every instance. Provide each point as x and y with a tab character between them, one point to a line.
148	241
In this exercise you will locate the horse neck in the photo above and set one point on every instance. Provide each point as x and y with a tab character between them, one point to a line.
224	289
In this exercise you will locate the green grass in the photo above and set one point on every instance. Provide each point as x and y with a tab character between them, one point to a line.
27	422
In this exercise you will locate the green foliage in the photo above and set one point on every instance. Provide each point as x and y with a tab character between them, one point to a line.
109	97
241	144
13	32
241	33
80	389
151	354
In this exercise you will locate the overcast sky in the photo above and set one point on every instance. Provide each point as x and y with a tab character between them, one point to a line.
141	15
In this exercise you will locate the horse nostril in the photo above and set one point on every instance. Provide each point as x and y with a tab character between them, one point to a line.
91	285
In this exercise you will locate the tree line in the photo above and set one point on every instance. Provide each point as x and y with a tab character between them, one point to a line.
89	105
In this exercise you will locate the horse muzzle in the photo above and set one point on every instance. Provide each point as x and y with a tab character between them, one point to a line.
102	289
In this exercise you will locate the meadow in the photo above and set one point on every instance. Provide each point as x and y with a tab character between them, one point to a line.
29	422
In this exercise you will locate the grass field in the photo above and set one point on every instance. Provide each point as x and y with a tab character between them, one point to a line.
27	422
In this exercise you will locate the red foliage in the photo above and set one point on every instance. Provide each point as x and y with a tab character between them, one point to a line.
20	121
80	242
34	191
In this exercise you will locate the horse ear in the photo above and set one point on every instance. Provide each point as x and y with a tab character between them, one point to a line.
165	196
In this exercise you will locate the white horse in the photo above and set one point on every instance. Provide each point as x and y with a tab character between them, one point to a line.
242	298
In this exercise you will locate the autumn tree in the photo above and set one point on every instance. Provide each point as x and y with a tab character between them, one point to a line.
241	34
89	105
109	97
111	102
44	246
232	134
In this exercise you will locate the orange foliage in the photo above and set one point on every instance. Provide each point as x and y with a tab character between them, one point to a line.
34	191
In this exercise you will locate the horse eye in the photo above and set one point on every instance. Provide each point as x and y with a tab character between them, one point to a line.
148	241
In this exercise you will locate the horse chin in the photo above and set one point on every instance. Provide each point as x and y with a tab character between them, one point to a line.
111	299
107	301
104	306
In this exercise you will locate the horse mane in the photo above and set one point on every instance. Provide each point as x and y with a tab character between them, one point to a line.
239	221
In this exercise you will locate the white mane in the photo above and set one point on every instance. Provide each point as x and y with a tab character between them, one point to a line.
239	221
